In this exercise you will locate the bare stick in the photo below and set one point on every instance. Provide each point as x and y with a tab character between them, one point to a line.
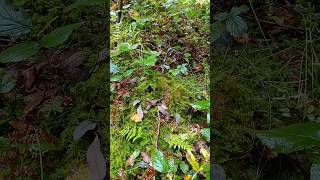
158	132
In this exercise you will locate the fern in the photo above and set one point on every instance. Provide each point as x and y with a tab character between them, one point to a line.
131	133
178	141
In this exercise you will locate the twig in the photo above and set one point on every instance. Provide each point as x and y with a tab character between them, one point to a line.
256	17
120	11
158	132
276	24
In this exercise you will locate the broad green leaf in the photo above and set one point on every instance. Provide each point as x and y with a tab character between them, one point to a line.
7	83
150	61
147	61
217	28
221	16
19	52
184	167
205	132
128	73
201	105
205	167
158	161
236	26
174	72
173	167
192	160
124	47
292	138
116	78
80	3
12	22
238	10
114	69
58	36
315	172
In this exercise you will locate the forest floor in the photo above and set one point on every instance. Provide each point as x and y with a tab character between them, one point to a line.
52	79
160	101
54	89
265	77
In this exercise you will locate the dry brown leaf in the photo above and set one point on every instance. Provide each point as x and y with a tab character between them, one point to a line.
163	110
130	161
146	158
32	101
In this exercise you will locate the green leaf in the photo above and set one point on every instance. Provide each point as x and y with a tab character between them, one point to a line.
114	69
147	61
128	73
158	161
292	138
221	16
19	52
236	26
184	167
80	3
238	10
58	36
315	172
124	47
216	30
116	78
12	22
172	166
205	132
201	105
150	60
7	83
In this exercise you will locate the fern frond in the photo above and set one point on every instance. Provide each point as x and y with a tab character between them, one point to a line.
178	141
131	133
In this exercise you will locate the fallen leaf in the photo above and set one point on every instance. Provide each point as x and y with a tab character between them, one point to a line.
83	127
136	102
19	124
150	174
28	77
135	118
140	112
164	111
244	38
32	101
130	161
96	162
146	158
178	118
192	160
7	83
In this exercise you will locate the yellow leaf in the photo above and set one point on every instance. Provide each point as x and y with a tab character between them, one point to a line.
192	160
205	153
134	14
189	177
136	118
